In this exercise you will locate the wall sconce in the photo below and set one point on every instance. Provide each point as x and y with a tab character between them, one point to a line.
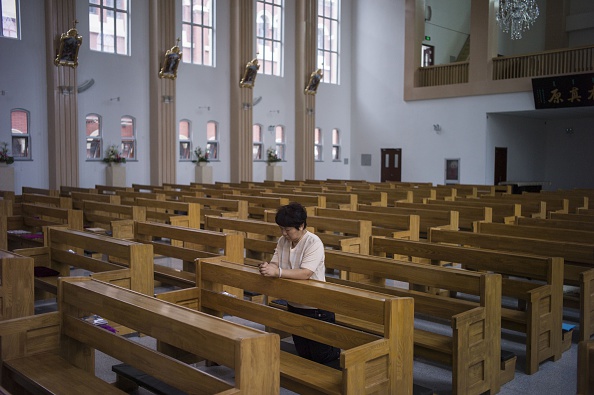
66	90
271	128
276	111
3	93
310	111
167	99
246	106
569	131
437	128
115	99
204	107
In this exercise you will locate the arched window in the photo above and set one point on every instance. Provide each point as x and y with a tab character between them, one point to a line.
185	141
21	137
336	154
279	131
212	140
94	136
128	137
258	144
318	147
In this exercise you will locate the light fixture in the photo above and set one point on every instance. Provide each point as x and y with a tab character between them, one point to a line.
115	99
516	16
167	99
437	128
66	90
246	106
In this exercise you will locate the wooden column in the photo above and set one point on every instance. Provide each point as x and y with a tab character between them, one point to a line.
305	105
62	108
163	94
242	51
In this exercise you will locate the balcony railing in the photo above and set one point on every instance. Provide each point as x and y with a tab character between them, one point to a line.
556	62
444	74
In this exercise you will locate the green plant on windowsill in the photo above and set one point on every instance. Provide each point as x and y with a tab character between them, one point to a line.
271	156
113	155
4	157
201	156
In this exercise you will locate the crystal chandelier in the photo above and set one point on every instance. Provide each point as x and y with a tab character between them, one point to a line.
516	16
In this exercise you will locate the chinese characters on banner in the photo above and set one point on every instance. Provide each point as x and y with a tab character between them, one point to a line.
563	91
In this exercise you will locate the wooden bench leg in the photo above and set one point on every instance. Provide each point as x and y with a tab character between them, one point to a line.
125	384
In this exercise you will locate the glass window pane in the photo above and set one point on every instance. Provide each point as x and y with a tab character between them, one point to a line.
127	127
19	121
257	133
211	131
184	130
20	147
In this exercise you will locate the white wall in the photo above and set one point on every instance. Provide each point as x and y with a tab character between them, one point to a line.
23	78
115	76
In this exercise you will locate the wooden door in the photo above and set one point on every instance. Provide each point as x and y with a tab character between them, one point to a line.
500	165
391	164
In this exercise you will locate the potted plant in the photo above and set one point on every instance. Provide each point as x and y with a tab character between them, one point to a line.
201	157
271	156
113	155
4	157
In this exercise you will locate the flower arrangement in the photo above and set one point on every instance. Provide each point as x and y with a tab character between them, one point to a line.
271	155
200	155
4	157
113	155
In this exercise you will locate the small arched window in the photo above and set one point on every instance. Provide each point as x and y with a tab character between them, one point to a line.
258	144
128	137
93	134
185	140
212	140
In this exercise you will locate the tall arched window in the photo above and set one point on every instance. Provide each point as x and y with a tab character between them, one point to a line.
94	136
198	32
269	36
258	144
212	140
328	39
21	137
128	137
185	141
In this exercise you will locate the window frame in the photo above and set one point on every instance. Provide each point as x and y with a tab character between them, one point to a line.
187	140
125	141
319	145
187	45
261	37
336	146
280	146
17	21
98	138
331	71
103	9
212	145
258	156
18	136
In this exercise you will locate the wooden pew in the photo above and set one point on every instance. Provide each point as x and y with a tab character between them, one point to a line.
112	219
171	212
555	223
219	207
40	191
129	197
501	212
257	205
26	230
530	207
585	368
304	199
536	232
5	212
578	268
473	350
467	216
69	248
368	363
79	197
428	218
572	217
392	225
542	319
110	190
55	352
187	245
47	200
68	190
17	290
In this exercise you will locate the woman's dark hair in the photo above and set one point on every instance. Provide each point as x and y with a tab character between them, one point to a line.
291	215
